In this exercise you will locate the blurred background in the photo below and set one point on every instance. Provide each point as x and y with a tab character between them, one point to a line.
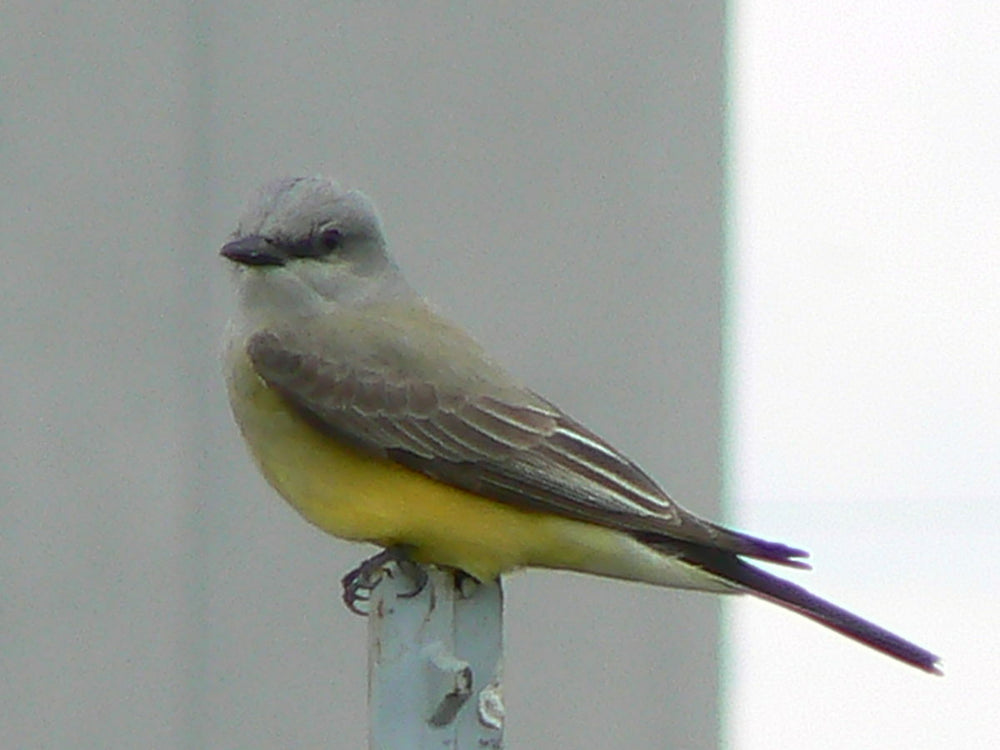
751	244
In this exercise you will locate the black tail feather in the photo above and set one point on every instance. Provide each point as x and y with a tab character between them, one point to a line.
796	598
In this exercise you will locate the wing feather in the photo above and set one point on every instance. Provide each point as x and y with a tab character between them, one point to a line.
504	442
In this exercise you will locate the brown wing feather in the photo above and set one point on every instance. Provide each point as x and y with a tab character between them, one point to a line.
528	453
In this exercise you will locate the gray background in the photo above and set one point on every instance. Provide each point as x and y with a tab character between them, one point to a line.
550	177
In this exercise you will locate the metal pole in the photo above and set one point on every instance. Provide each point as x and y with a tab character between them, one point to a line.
434	663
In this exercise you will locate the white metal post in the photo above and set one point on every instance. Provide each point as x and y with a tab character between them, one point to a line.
434	663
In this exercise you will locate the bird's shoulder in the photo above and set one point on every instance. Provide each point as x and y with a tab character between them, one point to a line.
395	342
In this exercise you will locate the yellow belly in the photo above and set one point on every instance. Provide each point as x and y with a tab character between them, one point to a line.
353	495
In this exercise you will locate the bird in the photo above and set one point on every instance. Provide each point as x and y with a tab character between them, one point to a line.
381	421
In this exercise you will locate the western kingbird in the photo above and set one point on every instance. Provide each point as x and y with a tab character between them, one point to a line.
380	421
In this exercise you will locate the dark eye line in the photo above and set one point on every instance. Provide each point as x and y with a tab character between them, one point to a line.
316	244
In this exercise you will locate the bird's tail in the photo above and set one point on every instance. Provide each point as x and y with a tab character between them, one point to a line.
729	567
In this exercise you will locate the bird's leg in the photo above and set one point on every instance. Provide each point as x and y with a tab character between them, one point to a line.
466	583
359	583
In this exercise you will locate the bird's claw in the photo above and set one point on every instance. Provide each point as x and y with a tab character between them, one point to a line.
360	582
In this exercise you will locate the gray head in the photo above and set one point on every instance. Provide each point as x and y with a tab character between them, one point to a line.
305	243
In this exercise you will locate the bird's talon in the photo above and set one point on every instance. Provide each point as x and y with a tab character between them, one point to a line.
416	573
359	583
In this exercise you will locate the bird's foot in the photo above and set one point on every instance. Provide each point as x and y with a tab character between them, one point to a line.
360	582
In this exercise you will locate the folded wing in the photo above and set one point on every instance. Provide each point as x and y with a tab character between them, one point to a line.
504	443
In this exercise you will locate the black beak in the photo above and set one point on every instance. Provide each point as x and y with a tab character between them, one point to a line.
253	250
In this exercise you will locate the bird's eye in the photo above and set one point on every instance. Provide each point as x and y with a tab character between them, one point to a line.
330	239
